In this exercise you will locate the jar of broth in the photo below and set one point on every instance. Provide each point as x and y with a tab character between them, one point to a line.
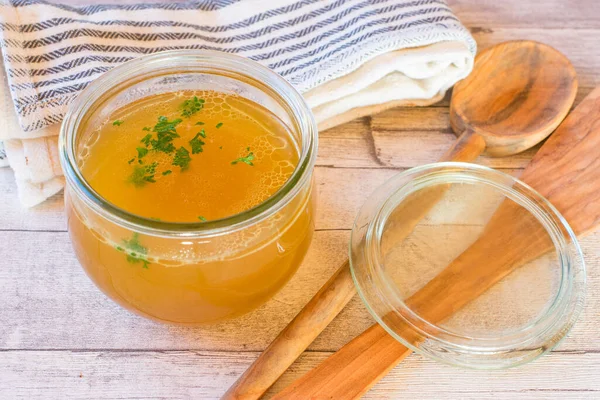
189	184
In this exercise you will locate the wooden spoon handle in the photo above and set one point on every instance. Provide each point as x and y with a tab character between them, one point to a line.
467	148
351	371
296	337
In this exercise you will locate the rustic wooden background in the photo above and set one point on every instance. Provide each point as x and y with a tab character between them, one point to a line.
61	338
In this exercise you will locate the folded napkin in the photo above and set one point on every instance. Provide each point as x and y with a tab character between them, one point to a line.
348	57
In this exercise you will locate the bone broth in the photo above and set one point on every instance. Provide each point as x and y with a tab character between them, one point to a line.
190	157
186	157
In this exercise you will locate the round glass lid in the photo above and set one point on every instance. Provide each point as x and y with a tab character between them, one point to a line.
467	265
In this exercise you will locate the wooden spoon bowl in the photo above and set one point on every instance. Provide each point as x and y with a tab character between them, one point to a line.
515	97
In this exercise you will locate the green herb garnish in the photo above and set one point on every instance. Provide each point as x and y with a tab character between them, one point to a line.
117	122
142	151
147	128
199	123
141	175
135	251
197	143
165	126
146	139
130	161
182	158
201	218
191	106
246	160
220	124
165	133
220	147
167	172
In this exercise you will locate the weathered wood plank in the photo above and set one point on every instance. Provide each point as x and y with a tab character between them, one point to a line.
576	44
47	302
206	375
47	216
550	14
404	149
399	138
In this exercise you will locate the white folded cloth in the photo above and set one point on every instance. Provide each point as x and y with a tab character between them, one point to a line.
348	57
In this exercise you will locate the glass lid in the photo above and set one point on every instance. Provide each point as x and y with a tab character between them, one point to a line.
467	265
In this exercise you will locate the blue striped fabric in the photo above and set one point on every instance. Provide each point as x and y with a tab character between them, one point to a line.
53	51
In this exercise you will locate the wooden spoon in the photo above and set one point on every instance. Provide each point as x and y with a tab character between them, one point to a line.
515	97
565	171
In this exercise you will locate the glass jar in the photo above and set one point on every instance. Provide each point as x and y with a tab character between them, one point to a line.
189	272
467	265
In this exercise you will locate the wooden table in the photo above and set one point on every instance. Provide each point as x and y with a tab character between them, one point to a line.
61	338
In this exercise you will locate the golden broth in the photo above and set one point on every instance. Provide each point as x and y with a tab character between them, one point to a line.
190	157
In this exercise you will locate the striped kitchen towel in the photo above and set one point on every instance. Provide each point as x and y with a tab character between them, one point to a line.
348	57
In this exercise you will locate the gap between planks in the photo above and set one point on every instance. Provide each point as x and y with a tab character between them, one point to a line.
204	375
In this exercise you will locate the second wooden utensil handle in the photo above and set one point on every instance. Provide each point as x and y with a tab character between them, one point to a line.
357	366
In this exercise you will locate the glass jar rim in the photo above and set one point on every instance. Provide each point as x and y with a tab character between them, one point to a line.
193	61
568	297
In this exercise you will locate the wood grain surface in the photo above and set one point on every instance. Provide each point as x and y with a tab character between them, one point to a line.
564	170
61	338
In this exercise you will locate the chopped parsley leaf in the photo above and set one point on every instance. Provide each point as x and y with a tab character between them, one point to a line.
199	123
167	172
141	175
146	139
130	161
165	126
220	124
201	218
147	128
246	160
137	176
142	151
197	143
165	133
191	106
182	158
135	251
117	122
